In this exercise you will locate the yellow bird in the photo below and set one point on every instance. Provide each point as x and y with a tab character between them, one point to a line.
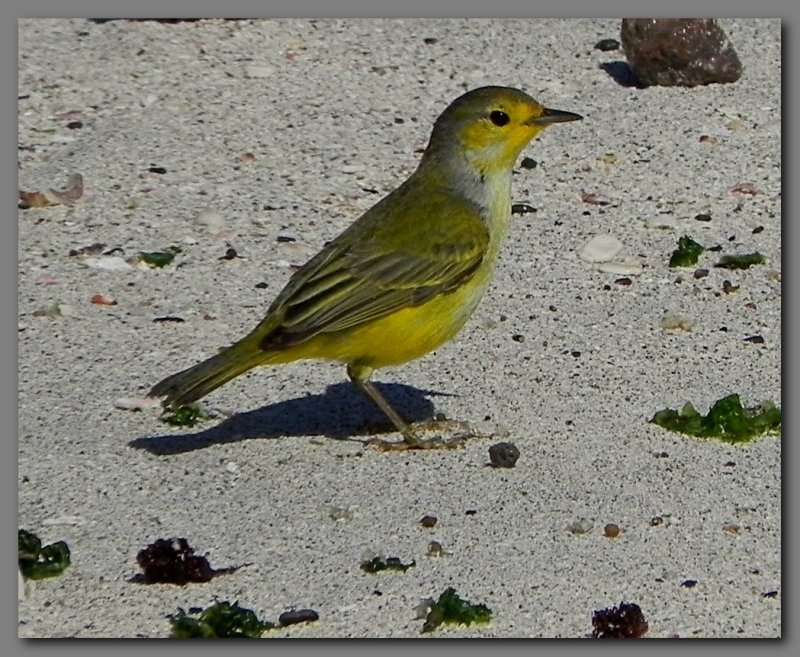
408	273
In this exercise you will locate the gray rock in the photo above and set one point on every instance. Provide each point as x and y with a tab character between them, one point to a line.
679	51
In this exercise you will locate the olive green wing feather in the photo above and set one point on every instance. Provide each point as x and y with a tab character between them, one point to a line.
357	279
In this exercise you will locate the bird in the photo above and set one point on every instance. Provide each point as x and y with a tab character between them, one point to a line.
407	274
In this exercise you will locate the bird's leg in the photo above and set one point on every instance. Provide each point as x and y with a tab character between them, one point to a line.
360	378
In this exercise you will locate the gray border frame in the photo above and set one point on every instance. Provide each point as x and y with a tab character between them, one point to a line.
12	10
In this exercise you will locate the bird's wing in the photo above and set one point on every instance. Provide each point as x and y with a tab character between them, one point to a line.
354	281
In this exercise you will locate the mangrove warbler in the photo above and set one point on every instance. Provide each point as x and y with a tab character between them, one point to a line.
406	275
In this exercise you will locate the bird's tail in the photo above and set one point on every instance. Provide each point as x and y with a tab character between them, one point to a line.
197	381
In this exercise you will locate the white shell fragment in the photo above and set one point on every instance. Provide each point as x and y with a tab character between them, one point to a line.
213	220
107	263
601	248
676	322
136	403
620	267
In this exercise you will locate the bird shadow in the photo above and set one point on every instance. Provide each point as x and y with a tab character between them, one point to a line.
341	413
623	74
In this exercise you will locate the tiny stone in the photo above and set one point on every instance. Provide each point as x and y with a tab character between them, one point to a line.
337	513
74	125
700	273
674	321
728	287
606	45
624	281
528	163
435	549
518	337
522	208
611	530
159	170
503	455
703	217
757	230
428	521
298	616
689	583
581	526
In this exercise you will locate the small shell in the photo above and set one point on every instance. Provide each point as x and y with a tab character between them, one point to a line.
601	248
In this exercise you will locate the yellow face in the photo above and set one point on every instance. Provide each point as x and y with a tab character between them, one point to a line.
491	125
500	133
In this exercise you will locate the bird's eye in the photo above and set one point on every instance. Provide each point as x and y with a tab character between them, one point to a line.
499	118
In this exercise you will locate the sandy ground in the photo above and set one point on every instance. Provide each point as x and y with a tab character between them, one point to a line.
561	359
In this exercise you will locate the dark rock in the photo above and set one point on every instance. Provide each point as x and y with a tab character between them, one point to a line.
605	45
503	455
679	51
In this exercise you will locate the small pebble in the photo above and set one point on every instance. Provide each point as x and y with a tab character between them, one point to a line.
593	198
674	321
606	45
744	190
581	526
601	248
103	300
503	455
338	513
435	549
611	530
298	616
428	521
703	217
211	219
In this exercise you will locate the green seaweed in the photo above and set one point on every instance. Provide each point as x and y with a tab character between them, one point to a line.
743	261
726	420
183	416
687	253
37	562
222	620
378	564
450	608
159	258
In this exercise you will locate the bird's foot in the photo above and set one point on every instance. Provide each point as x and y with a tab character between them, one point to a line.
447	434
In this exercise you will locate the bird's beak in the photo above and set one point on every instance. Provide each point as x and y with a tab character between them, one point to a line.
549	116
